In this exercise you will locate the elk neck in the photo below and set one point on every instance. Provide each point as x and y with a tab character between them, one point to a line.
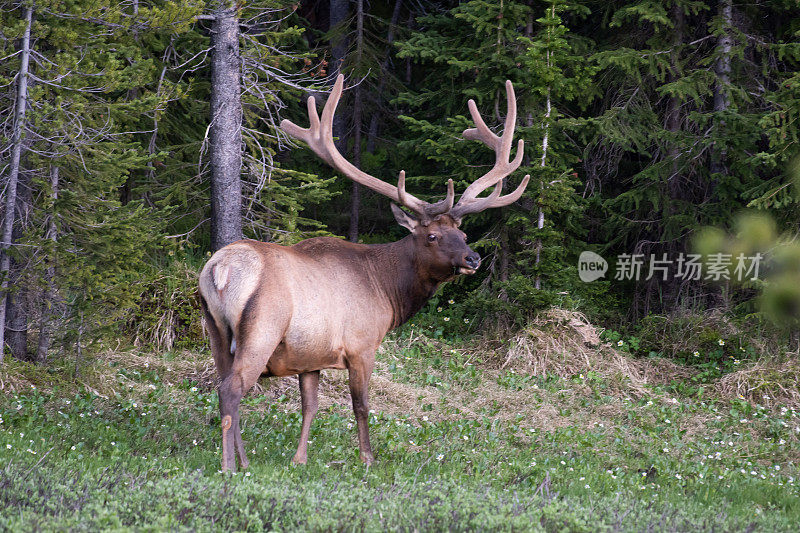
406	281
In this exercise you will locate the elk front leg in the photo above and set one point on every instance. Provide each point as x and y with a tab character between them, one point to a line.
359	381
309	386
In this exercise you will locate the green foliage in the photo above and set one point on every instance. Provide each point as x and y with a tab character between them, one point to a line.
778	259
79	100
118	111
682	140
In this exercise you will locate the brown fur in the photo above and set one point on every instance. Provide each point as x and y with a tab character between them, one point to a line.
322	303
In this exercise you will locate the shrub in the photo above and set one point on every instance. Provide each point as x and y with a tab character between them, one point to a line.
168	315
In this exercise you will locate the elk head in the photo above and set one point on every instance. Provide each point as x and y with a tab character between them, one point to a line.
439	244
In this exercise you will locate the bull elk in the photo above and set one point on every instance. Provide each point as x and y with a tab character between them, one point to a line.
327	303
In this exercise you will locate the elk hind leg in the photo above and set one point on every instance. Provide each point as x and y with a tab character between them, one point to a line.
221	338
359	375
222	348
250	361
309	387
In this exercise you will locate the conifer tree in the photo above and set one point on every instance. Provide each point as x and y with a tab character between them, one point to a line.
674	144
476	46
81	247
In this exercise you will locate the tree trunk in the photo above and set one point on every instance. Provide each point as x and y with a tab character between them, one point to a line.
355	193
672	120
17	324
19	288
505	253
540	215
545	140
409	27
358	108
126	191
655	290
722	68
13	175
339	11
226	134
46	313
151	146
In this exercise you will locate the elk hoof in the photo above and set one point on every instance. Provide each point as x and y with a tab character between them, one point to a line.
299	459
367	459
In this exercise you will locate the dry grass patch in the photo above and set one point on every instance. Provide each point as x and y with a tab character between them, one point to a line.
564	343
765	382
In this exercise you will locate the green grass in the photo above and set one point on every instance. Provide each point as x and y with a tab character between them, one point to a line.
147	458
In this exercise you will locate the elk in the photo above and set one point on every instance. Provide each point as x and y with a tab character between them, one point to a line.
327	303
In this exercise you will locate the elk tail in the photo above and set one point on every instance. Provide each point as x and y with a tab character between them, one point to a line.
219	274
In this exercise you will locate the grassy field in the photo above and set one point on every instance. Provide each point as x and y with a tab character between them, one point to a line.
592	441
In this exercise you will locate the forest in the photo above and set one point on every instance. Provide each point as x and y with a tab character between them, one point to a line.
653	257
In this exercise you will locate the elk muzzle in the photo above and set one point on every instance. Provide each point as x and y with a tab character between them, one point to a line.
472	262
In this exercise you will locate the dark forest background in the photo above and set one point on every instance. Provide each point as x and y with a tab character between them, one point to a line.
651	128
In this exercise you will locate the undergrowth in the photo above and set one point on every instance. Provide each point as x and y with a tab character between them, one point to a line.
553	430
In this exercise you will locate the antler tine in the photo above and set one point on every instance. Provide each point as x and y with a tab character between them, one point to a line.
443	206
330	109
401	187
501	146
493	200
481	131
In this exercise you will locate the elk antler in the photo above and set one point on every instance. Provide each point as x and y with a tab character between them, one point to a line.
319	137
469	201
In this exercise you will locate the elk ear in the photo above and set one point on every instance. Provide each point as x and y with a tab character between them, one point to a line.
404	219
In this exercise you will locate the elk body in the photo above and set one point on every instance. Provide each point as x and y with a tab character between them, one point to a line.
326	303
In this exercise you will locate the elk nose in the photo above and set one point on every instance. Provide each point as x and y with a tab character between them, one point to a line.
473	260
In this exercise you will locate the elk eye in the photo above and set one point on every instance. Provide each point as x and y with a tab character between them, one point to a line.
431	237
